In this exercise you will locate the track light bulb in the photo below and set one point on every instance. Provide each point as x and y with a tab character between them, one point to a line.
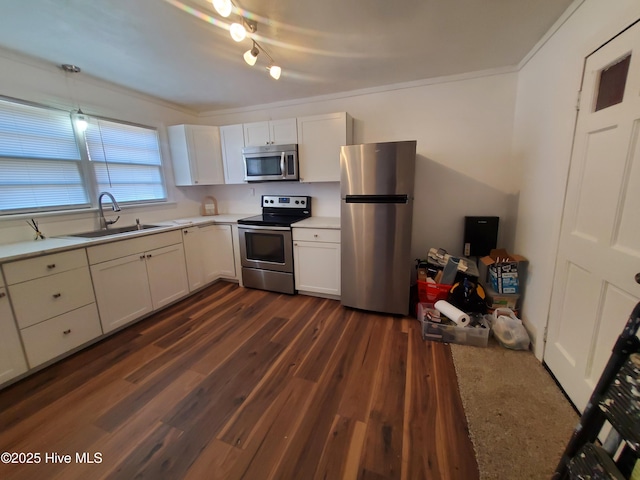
275	71
223	7
250	56
238	32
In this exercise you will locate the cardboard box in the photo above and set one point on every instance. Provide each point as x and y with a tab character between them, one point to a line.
422	274
501	300
504	277
504	271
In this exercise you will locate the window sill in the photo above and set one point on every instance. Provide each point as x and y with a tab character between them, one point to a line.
86	212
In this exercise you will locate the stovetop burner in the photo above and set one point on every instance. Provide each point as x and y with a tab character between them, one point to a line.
271	220
280	211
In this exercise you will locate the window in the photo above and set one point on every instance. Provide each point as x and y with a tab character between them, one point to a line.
45	166
126	161
40	164
613	79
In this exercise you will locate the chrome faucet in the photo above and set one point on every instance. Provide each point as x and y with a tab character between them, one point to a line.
104	223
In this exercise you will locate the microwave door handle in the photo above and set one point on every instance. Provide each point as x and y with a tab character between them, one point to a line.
246	172
283	166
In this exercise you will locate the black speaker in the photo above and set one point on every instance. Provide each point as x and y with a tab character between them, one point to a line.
480	235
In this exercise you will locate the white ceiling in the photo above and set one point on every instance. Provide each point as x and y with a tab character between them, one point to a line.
180	51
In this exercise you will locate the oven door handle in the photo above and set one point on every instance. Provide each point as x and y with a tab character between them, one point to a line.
261	227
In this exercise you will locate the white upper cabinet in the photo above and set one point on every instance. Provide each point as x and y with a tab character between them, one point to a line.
272	132
196	155
232	140
319	140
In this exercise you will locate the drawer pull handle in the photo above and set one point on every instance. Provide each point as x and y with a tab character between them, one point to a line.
315	235
67	332
51	265
57	295
3	294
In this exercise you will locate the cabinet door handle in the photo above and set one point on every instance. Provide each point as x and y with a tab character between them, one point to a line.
3	294
186	231
51	265
295	244
148	255
315	235
142	257
67	332
57	295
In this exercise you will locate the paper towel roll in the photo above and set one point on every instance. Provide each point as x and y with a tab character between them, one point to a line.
453	313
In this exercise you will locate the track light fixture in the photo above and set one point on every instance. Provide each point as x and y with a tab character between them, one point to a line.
223	7
250	56
274	71
239	31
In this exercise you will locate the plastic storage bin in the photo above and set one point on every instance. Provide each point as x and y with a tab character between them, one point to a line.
438	332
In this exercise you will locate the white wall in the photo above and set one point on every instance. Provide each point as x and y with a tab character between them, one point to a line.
463	127
543	132
28	79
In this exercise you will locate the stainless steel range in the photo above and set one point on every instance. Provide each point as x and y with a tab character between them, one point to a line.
266	247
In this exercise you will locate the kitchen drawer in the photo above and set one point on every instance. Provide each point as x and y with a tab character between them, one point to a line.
123	248
23	270
317	235
47	297
52	338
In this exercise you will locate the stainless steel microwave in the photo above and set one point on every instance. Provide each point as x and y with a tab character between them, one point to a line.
270	162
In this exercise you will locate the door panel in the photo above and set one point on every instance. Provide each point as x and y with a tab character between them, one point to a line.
628	227
594	289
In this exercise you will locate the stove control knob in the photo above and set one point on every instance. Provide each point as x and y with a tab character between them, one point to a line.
302	202
297	202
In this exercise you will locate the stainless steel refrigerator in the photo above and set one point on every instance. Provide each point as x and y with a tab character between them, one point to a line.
376	188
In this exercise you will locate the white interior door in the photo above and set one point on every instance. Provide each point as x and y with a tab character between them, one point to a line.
594	289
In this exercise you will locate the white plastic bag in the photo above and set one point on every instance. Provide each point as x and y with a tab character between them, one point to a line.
508	330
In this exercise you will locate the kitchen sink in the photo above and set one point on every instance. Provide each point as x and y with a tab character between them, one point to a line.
113	231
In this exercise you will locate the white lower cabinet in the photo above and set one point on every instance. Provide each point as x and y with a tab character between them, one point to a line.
209	254
12	361
42	298
122	290
134	277
54	304
316	259
50	339
167	275
53	298
218	251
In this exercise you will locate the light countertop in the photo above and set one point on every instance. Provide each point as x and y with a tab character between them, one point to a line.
22	250
318	222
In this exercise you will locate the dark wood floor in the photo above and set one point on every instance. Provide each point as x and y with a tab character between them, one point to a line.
237	383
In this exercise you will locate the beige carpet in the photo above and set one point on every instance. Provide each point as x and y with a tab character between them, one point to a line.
519	420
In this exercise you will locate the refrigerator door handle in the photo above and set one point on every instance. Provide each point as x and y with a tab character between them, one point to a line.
376	199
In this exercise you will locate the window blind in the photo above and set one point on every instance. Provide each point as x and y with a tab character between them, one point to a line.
126	160
40	164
